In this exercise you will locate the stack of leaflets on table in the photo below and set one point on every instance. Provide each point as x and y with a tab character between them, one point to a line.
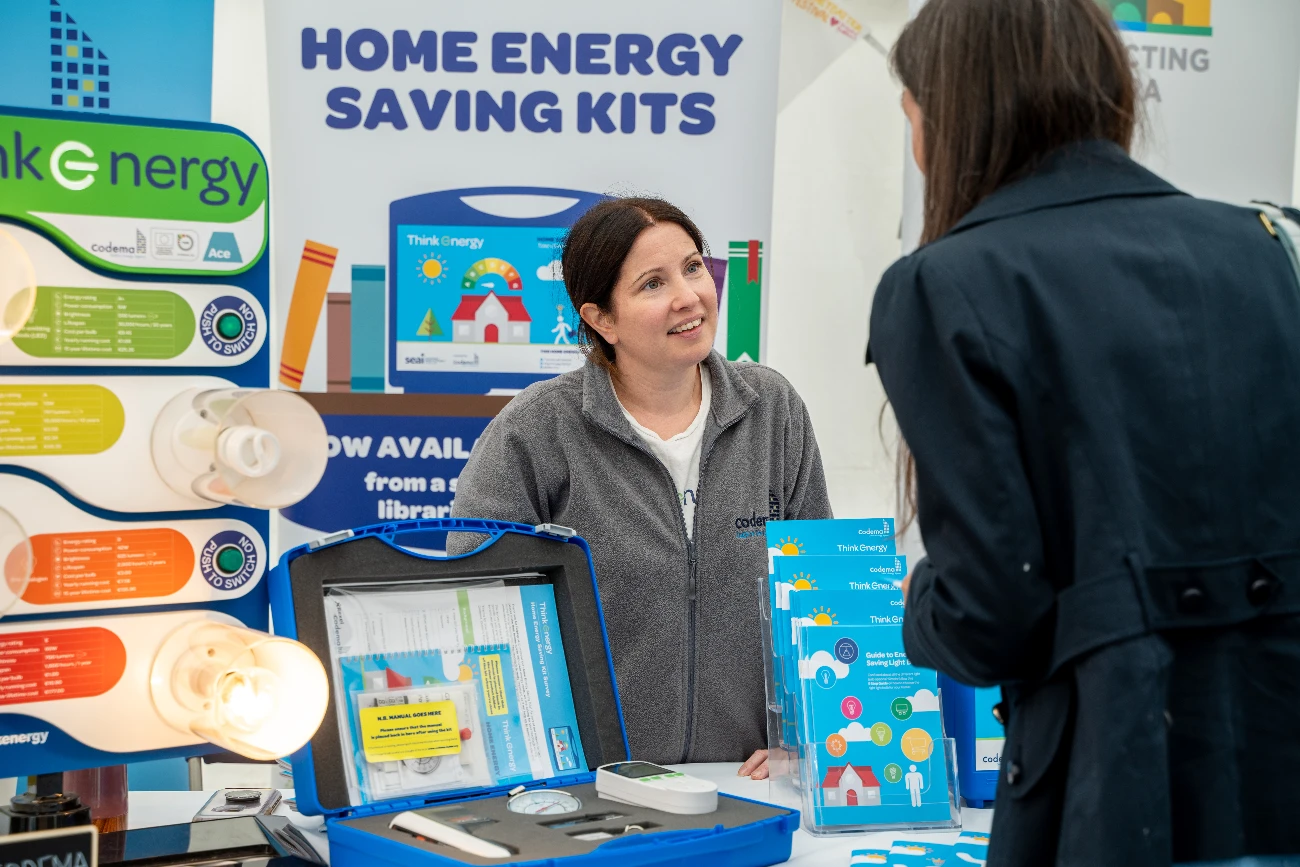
865	723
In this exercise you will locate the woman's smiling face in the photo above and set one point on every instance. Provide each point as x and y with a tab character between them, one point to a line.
664	307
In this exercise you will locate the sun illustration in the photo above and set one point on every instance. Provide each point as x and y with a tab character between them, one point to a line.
466	673
432	269
791	547
803	581
823	616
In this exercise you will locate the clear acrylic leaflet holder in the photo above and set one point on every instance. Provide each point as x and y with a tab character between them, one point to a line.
794	780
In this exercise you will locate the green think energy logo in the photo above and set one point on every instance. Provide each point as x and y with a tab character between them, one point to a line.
84	167
208	177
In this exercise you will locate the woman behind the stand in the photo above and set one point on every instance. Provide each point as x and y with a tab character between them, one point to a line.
1099	380
667	459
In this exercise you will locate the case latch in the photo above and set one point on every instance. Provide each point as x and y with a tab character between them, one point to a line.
555	530
330	539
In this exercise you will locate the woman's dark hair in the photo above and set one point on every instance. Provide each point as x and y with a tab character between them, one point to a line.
595	248
1001	84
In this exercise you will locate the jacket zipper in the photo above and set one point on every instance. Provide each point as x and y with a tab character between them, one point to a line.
690	643
690	583
692	588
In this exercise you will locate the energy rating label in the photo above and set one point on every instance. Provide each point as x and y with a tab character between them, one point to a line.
97	441
68	663
64	678
50	418
82	317
83	562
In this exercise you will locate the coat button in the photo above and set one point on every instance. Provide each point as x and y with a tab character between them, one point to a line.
1013	774
1260	590
1191	600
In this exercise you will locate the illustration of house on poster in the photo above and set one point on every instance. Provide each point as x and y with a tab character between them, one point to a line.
491	319
847	786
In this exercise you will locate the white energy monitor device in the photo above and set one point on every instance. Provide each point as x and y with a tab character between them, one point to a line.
432	829
645	785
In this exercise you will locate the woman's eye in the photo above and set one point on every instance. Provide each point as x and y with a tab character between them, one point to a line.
693	267
653	284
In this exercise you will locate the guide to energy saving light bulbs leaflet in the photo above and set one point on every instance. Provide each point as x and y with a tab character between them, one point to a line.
414	729
417	617
847	536
874	751
871	573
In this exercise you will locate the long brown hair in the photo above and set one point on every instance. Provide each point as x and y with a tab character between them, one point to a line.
1001	84
593	254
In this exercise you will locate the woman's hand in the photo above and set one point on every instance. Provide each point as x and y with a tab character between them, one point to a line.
756	767
906	583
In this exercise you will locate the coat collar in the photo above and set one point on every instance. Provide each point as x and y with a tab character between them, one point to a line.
732	398
1081	172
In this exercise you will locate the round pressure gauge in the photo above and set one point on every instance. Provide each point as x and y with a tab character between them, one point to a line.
541	802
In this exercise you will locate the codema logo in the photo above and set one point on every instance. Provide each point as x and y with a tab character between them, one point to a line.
1183	17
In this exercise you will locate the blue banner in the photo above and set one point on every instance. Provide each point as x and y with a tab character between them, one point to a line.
388	468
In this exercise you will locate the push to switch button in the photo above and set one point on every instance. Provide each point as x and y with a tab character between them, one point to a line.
230	326
230	560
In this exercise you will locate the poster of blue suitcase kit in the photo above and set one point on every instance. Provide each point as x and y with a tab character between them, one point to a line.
857	734
473	702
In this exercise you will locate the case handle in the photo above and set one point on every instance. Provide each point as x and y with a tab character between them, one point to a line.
389	533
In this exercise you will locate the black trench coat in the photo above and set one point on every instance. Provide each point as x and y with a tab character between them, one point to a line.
1099	377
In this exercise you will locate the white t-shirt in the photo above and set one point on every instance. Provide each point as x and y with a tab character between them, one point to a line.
681	454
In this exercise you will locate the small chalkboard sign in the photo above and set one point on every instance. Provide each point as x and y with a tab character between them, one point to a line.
61	847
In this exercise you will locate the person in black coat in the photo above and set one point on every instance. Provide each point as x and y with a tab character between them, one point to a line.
1097	378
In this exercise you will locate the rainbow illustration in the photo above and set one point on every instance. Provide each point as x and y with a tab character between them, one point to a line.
484	270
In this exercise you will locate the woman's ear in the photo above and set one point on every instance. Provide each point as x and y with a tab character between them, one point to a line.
600	322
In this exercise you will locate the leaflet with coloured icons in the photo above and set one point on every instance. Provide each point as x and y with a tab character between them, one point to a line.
874	753
421	618
879	575
849	536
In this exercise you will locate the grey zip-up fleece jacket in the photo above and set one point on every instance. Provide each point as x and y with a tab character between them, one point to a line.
682	617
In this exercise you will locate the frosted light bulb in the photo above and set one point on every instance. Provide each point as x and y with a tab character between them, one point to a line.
255	694
248	450
16	558
17	286
245	446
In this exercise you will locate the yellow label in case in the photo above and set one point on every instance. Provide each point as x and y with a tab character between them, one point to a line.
409	731
494	685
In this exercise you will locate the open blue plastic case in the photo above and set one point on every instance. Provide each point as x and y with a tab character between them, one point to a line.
536	565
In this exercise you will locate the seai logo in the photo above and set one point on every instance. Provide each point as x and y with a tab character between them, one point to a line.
1181	17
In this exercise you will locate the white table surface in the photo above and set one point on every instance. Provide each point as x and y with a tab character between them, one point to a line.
148	809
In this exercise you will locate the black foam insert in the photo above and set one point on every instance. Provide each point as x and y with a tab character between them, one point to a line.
563	565
535	838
